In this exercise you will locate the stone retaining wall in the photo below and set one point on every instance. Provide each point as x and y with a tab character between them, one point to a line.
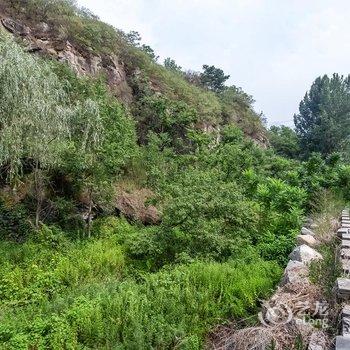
343	282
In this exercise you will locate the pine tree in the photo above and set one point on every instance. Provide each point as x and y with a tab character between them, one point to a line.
323	122
213	78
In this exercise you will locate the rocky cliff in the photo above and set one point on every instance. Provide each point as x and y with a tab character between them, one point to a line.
41	39
125	70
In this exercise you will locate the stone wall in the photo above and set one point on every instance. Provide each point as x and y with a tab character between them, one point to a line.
343	282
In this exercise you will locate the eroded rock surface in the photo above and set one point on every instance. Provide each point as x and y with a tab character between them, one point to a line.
305	254
133	205
295	272
43	40
308	240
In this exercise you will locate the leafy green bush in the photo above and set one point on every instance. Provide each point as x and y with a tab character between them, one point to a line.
14	223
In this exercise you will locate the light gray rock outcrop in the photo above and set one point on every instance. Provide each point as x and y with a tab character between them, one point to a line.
308	240
295	272
306	231
305	254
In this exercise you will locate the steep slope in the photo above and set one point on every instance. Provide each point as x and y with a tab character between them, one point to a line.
59	30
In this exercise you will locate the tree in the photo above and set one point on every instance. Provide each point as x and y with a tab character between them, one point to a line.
89	129
285	141
133	38
171	65
33	118
150	52
170	120
213	78
323	122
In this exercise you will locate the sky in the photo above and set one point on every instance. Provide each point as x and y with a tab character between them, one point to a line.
272	49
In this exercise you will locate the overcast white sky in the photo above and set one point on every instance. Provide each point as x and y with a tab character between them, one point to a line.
273	49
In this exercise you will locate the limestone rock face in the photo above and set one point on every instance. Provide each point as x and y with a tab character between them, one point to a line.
41	39
308	240
305	254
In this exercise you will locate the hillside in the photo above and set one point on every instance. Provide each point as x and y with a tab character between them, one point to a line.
141	206
61	31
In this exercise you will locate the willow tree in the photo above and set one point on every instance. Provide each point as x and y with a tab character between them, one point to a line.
33	119
88	129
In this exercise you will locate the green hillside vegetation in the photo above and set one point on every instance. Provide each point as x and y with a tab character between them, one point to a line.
230	209
86	31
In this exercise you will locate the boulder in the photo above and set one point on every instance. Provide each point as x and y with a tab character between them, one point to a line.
306	231
308	221
305	254
133	205
308	240
15	27
295	272
41	29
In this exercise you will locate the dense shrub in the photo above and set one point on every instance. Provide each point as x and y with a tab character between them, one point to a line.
131	315
14	223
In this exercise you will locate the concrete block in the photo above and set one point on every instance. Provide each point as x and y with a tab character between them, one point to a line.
342	343
345	263
346	311
346	321
341	231
343	288
345	253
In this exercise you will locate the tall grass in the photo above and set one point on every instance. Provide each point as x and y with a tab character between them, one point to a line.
85	304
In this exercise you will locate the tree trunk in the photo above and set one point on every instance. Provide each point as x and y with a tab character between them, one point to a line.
89	217
38	193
